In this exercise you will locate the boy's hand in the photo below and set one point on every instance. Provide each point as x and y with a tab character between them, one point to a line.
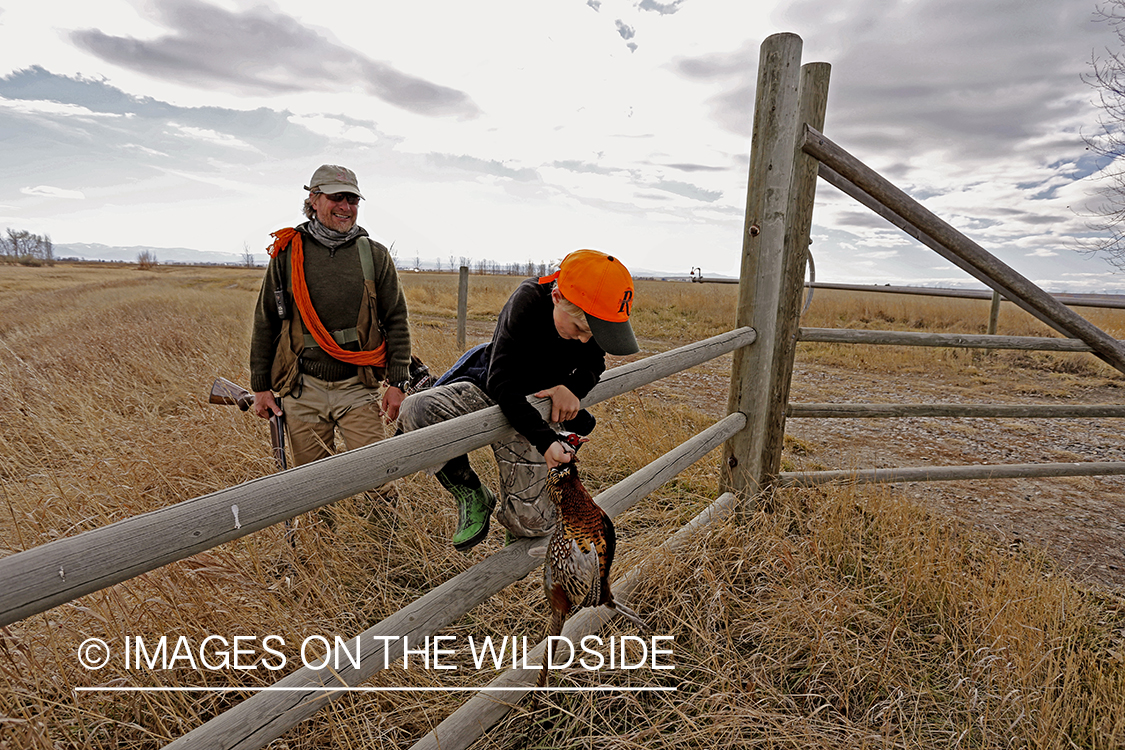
564	404
557	454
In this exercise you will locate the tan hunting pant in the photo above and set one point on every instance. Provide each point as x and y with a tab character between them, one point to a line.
324	407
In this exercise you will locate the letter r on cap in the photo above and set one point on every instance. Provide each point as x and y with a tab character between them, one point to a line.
626	300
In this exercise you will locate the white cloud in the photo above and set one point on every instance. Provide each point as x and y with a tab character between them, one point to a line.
51	109
210	136
335	128
46	191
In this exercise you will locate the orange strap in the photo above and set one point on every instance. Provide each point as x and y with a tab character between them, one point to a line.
292	238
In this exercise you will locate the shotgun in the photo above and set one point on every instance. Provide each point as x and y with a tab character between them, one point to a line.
225	392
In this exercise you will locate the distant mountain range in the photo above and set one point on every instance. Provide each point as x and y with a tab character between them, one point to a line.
93	251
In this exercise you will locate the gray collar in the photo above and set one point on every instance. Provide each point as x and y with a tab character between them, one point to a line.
330	238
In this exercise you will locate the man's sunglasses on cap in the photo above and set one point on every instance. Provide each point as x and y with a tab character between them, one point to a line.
351	198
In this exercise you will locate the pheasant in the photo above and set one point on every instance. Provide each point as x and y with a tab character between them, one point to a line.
579	553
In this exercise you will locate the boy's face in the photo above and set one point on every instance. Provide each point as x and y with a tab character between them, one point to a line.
566	324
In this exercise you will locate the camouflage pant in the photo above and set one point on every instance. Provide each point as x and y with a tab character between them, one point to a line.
524	507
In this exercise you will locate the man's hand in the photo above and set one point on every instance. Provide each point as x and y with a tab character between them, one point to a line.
564	404
392	400
265	405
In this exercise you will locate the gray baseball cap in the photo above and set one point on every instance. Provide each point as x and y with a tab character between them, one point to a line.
332	178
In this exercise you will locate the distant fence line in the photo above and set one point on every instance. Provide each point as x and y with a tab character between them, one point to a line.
1108	301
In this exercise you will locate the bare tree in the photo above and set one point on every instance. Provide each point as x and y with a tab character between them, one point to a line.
146	260
247	256
1107	78
27	248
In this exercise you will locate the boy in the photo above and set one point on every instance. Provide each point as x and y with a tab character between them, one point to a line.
551	340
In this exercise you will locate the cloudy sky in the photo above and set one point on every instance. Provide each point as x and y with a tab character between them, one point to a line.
514	130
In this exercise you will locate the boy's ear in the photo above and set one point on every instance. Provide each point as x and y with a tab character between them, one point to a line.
556	295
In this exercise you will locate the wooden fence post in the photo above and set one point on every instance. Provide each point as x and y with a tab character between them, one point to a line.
994	313
779	200
813	100
462	306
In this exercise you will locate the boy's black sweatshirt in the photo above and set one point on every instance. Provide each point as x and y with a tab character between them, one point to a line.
527	355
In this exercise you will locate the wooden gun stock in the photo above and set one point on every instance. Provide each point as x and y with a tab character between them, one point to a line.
231	394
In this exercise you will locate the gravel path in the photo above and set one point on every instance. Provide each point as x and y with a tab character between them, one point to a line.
1080	522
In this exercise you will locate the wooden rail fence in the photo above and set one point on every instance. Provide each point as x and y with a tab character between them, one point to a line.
788	152
59	571
266	716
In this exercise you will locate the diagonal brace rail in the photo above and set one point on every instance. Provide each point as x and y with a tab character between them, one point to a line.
967	254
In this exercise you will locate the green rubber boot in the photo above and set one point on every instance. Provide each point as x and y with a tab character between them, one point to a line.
474	512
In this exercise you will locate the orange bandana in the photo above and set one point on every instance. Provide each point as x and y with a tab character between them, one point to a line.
292	238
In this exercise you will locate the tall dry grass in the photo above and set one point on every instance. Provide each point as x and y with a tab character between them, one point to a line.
845	618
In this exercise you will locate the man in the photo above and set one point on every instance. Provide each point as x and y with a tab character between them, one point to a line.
550	341
330	326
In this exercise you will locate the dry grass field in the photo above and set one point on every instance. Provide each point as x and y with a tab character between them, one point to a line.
848	617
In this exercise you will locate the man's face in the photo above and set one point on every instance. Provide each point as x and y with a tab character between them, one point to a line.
339	215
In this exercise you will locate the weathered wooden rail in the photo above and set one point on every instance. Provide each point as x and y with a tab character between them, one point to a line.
1107	301
855	178
951	473
953	340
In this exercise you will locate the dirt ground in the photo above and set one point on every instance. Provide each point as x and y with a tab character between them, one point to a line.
1078	521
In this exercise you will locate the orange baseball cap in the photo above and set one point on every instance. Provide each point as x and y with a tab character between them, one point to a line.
601	286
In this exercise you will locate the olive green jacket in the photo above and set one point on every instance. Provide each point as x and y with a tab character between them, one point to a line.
360	312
